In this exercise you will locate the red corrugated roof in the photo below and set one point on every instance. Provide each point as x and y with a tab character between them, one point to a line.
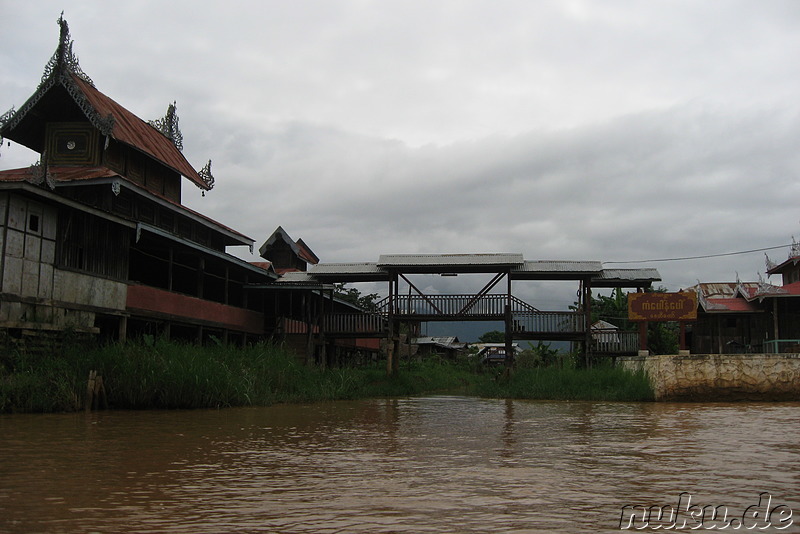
61	173
133	131
262	265
730	305
306	253
778	268
792	289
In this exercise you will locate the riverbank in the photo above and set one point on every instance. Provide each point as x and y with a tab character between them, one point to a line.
162	375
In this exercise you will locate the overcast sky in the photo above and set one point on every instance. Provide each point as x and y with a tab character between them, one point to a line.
591	130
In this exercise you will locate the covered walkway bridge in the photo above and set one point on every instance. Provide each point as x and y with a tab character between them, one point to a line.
494	302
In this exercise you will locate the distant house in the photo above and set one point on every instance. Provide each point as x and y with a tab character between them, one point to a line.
494	353
286	255
449	347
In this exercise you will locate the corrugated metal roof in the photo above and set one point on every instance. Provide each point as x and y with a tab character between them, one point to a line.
295	277
559	266
306	253
640	278
346	268
726	289
212	252
728	305
630	274
59	174
133	131
449	260
792	260
62	174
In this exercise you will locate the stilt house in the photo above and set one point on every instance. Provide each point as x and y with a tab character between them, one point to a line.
94	236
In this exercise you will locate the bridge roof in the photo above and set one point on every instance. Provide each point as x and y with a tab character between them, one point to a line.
444	264
557	270
626	278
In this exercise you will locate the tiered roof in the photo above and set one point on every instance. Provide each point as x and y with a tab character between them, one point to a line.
110	118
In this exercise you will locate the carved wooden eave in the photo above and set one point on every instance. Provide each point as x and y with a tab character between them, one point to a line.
168	126
206	176
62	69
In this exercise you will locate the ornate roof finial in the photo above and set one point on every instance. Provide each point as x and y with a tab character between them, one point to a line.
206	176
64	60
169	126
770	264
794	252
4	118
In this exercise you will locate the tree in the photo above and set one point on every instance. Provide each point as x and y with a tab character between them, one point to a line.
662	338
612	309
355	297
495	336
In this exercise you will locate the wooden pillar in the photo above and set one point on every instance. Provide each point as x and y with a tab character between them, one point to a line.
201	269
227	282
123	329
397	344
391	343
509	326
775	329
306	315
682	326
642	335
587	319
319	315
170	259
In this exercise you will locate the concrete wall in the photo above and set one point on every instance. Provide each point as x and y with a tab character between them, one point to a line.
720	377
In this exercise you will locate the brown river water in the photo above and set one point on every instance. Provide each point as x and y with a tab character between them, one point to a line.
430	464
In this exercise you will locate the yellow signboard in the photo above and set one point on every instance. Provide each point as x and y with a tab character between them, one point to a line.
680	306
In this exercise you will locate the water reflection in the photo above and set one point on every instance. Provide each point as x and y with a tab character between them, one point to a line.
437	464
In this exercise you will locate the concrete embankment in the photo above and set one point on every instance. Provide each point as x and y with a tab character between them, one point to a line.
722	377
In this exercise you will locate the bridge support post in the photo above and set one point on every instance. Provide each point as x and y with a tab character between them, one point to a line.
509	362
393	342
587	321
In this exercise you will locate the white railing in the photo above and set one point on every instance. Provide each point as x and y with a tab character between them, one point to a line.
614	342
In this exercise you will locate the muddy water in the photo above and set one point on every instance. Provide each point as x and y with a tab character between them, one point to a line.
437	464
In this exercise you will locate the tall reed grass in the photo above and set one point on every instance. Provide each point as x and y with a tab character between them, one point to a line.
172	375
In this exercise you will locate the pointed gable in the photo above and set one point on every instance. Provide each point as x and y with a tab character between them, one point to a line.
68	97
306	253
285	254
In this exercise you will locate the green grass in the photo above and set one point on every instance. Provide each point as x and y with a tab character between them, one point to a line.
172	375
602	382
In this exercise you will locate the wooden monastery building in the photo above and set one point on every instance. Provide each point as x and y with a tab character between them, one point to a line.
750	317
95	237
